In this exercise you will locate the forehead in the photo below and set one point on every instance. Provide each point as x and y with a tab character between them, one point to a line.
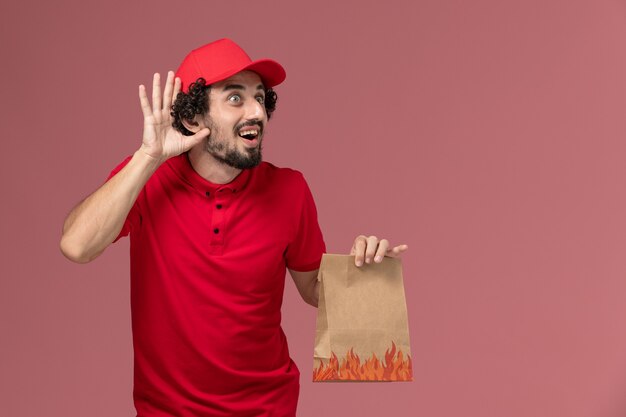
247	79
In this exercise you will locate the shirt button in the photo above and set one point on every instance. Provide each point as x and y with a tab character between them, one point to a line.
208	193
216	231
219	206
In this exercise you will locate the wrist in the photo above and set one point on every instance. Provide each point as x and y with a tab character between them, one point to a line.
147	160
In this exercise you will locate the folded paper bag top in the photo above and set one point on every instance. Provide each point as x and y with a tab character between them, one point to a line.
362	326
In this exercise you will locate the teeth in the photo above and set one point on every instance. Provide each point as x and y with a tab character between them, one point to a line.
249	132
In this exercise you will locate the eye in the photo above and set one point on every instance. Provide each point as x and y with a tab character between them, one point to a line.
261	99
235	98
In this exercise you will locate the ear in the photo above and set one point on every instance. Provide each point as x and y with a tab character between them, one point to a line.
195	125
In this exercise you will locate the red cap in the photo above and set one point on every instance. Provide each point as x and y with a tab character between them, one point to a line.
221	59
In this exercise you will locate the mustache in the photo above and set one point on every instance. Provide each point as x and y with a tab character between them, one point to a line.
250	123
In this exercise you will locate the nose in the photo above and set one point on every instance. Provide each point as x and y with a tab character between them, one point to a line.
255	110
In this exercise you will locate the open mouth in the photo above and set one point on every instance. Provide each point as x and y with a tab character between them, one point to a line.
249	133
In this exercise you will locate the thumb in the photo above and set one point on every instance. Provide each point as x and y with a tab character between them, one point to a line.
191	141
397	251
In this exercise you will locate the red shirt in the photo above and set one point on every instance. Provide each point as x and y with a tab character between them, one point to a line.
207	276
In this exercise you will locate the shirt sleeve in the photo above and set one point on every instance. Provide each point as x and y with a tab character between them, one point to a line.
304	252
133	219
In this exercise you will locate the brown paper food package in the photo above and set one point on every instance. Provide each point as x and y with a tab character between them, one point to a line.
362	327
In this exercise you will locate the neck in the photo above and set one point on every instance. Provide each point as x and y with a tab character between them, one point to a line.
210	168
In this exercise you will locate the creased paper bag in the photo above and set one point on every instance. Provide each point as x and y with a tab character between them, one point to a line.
362	327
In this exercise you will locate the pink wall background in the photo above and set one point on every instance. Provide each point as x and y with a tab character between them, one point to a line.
487	135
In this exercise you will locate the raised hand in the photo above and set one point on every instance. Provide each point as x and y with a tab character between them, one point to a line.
371	248
160	139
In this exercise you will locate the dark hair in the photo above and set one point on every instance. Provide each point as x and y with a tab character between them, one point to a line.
196	101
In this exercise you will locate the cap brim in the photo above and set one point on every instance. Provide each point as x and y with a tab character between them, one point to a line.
270	71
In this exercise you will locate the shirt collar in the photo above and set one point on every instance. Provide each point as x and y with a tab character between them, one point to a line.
183	167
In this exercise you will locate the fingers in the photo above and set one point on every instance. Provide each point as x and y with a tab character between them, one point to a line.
167	93
145	104
156	92
364	248
176	89
383	245
358	249
370	248
172	88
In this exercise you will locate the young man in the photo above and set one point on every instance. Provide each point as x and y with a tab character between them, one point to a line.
212	229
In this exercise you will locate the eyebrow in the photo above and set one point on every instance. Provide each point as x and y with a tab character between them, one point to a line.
239	87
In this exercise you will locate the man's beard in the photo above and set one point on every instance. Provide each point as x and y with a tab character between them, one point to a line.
216	144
